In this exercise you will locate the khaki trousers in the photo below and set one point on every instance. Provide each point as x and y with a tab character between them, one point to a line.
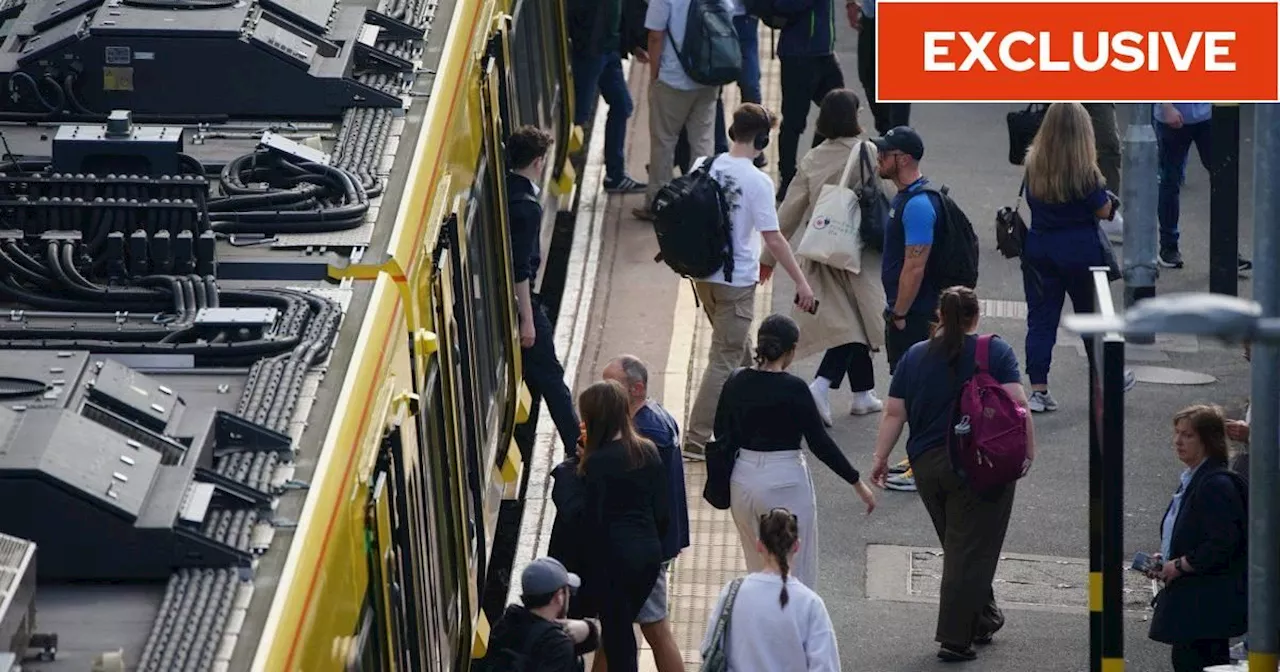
731	310
670	111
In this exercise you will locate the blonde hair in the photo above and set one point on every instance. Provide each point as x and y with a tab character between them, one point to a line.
1062	162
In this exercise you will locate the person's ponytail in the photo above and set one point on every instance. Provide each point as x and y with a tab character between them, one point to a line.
779	531
957	310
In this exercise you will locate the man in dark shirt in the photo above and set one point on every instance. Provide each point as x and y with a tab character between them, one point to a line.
910	294
537	631
526	155
656	424
809	69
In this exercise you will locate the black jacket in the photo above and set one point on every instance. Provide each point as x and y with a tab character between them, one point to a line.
588	31
568	544
549	650
1211	531
524	210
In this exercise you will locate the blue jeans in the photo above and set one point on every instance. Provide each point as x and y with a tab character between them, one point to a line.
596	76
1174	144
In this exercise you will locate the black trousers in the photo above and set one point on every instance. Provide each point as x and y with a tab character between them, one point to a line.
629	585
971	527
887	115
805	81
545	378
898	342
853	358
1202	653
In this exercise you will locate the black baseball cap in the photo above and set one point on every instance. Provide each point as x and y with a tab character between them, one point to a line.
547	575
903	139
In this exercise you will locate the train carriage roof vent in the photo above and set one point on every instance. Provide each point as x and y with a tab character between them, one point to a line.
19	388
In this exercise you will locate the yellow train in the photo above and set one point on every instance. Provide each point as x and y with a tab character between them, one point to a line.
258	413
386	568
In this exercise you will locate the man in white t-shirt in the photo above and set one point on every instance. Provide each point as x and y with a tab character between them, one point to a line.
730	305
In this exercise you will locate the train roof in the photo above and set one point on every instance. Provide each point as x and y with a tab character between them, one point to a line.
132	458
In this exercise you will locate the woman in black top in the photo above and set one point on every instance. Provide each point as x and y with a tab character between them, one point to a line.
625	516
764	412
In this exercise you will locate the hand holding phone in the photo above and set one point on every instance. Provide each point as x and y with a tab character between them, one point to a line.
815	305
1146	563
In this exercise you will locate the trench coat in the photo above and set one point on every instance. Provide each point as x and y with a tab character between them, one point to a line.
850	305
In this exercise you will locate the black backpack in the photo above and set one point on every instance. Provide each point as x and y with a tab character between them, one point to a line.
513	659
767	13
711	54
691	219
953	257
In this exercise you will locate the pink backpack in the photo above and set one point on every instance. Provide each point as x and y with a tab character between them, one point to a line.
991	428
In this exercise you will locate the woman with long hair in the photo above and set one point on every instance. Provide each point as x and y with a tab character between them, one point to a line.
851	322
764	412
970	524
776	622
625	515
1067	197
1204	540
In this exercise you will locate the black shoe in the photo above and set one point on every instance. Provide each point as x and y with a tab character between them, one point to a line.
1170	257
624	185
953	654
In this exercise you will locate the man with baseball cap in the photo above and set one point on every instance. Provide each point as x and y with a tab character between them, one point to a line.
910	294
535	635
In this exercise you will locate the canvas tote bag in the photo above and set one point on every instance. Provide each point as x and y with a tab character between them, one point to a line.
831	236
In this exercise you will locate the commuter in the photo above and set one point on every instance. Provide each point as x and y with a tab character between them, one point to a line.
1203	548
626	517
776	622
1178	126
537	632
764	412
676	102
730	305
654	423
748	29
599	37
809	69
1106	136
851	322
862	18
527	155
970	524
1067	197
911	295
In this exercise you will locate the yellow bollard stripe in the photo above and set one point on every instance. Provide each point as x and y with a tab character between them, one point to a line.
1262	662
1095	591
1113	665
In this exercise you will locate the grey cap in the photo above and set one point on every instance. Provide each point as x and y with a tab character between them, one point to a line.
547	575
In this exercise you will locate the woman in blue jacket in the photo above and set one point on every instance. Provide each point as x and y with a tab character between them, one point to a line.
1067	196
1203	548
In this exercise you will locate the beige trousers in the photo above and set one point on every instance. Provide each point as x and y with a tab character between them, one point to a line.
670	111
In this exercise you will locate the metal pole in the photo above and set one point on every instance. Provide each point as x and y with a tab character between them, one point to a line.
1140	222
1264	452
1095	509
1224	200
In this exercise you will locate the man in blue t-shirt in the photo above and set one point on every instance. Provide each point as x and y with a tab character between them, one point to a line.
910	294
653	422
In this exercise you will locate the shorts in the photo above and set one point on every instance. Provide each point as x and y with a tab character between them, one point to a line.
655	608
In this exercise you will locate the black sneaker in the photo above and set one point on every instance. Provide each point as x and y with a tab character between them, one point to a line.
1243	266
624	185
1170	257
954	654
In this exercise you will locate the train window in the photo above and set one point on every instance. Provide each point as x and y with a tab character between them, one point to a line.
484	249
532	59
440	474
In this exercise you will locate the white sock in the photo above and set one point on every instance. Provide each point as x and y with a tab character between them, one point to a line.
820	384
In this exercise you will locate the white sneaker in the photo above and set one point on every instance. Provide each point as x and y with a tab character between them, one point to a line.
866	403
820	389
1114	228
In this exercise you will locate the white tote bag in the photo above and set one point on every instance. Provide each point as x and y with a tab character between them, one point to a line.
831	236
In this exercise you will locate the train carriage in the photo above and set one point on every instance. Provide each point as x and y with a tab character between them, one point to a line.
282	223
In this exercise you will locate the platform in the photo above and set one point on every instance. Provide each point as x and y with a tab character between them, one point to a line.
877	575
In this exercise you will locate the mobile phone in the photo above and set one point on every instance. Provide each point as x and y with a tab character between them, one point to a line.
1145	563
815	305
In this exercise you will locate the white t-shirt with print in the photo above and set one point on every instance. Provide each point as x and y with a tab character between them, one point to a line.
748	191
764	635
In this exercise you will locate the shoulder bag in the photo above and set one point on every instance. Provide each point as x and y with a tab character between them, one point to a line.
721	454
831	237
716	657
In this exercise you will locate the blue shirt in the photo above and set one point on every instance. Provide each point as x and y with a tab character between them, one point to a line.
1171	518
1192	113
925	382
869	8
1066	233
653	422
919	217
672	16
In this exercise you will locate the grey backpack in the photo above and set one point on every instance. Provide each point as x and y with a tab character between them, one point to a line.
711	54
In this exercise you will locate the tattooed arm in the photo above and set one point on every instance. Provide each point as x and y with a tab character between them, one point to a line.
911	277
918	220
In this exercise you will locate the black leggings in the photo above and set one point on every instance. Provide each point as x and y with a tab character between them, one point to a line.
851	358
629	588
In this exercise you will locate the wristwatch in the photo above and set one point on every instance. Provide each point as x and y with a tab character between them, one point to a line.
892	316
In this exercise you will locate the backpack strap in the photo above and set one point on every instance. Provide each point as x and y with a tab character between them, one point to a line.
982	356
726	611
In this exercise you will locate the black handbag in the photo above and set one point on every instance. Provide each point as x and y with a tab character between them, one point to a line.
874	204
1023	126
1011	229
721	454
